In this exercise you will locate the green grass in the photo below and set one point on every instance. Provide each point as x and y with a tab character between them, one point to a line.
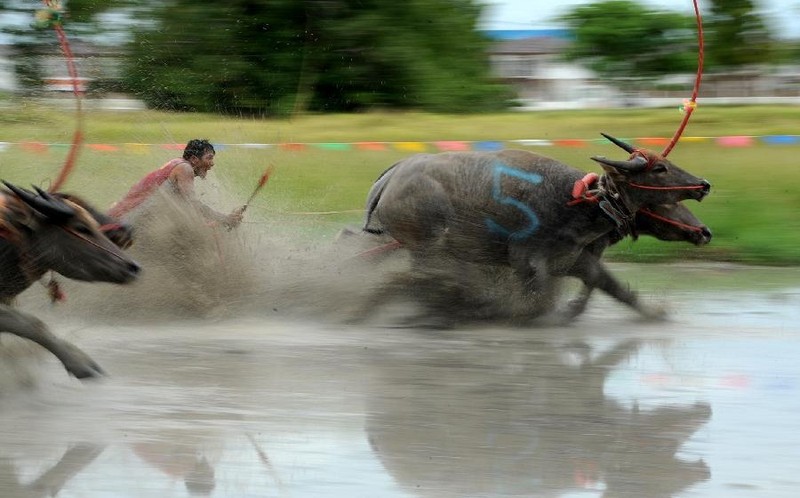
754	208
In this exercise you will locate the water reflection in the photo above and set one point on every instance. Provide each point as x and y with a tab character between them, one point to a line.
51	480
364	412
182	456
535	423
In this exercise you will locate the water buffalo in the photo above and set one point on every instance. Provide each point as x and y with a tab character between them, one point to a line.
526	211
40	232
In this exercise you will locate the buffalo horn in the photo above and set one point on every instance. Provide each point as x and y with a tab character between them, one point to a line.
619	143
638	163
44	204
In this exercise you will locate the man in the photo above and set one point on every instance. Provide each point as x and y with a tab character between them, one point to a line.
179	175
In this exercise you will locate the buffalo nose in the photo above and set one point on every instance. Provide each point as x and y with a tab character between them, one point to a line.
134	268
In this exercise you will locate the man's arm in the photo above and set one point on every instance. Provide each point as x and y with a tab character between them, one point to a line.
182	178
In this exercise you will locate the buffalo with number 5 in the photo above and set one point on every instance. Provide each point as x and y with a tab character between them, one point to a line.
525	211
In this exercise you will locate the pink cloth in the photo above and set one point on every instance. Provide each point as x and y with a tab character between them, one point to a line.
143	189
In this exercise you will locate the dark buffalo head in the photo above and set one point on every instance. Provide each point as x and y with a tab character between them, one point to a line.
651	178
672	222
63	236
117	231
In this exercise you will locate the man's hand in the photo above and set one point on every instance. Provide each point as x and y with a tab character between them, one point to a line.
235	218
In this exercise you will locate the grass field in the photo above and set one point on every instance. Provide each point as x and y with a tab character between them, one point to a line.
754	208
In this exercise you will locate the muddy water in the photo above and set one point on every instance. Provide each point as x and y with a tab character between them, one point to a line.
245	394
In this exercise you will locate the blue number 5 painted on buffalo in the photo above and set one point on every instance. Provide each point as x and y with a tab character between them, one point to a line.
499	171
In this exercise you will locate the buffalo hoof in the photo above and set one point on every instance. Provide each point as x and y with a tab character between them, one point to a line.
556	319
653	313
80	364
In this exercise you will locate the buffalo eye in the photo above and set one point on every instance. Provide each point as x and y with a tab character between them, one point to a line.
659	168
83	230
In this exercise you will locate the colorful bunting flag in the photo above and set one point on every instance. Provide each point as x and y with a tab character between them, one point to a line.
570	143
294	147
103	147
414	147
371	145
333	146
695	139
781	139
489	146
451	146
411	146
653	141
254	146
37	147
533	143
735	141
137	148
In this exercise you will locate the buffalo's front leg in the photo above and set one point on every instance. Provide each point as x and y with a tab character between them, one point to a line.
577	305
29	327
594	274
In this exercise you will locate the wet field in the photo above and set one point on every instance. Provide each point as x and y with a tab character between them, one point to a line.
243	395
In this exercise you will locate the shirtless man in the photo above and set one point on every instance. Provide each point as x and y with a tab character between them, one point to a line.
179	173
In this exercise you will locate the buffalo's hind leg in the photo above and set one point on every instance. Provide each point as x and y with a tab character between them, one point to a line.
29	327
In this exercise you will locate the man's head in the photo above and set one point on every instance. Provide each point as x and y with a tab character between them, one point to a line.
200	154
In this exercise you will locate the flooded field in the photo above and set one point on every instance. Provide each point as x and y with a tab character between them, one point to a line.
244	394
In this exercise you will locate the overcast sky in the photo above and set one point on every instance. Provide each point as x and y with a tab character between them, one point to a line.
783	15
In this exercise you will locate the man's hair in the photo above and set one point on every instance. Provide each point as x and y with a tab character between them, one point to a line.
197	147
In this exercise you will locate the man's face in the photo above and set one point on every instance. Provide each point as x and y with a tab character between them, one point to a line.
202	164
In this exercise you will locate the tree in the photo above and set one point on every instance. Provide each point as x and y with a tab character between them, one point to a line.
737	36
623	39
284	56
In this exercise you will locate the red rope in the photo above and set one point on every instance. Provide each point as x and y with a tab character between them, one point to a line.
389	246
91	242
670	221
674	187
77	137
692	104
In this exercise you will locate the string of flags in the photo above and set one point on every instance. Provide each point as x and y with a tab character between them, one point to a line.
413	146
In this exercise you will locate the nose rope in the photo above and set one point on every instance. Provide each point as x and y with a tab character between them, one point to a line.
678	224
674	187
91	242
110	226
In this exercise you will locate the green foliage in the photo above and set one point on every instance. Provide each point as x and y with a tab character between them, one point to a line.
737	35
622	38
279	57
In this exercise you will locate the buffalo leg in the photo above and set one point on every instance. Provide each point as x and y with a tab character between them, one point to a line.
577	305
72	462
29	327
594	274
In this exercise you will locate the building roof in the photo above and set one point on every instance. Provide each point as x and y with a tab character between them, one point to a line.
519	34
531	45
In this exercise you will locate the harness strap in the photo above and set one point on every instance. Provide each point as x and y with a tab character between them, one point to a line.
600	190
581	190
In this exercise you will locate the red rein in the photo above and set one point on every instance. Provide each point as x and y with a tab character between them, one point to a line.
77	137
664	219
689	109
